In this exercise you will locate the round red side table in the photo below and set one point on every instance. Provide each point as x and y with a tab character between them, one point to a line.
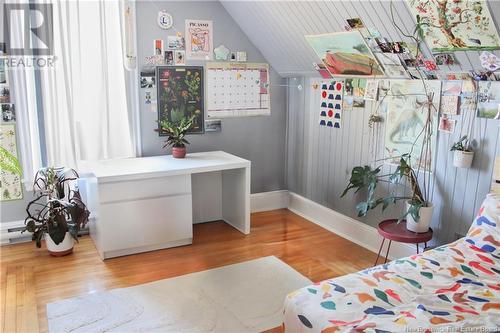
394	231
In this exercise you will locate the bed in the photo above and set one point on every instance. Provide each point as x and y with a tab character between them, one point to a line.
449	288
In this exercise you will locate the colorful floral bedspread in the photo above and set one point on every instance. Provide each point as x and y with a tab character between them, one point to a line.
448	289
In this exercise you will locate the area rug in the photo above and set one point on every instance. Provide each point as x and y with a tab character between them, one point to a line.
245	297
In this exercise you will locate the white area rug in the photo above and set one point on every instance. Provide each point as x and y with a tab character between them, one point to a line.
245	297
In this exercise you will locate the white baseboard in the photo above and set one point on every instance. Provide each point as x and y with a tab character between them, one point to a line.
260	202
346	227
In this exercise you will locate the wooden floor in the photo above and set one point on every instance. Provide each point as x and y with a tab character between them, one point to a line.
31	278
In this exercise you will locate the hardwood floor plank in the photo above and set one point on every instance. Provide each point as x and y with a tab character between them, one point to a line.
31	278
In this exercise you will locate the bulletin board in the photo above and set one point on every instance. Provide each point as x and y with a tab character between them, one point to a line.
237	89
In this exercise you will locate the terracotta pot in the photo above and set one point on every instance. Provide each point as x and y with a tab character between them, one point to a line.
61	249
179	152
422	225
463	159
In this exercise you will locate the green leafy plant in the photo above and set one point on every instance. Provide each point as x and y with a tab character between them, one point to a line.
58	207
176	132
367	178
463	144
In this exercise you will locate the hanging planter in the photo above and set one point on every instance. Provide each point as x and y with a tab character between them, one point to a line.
463	155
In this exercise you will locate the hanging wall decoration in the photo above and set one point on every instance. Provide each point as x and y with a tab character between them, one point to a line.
456	25
221	53
176	42
450	97
10	168
488	105
407	105
199	40
447	125
489	61
345	53
371	90
331	103
180	94
356	89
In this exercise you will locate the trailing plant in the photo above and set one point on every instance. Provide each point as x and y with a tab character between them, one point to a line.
176	132
464	144
367	178
373	119
57	208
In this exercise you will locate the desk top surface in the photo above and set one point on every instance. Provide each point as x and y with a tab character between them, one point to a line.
165	165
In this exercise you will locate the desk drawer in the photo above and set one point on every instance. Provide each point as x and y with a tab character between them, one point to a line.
140	189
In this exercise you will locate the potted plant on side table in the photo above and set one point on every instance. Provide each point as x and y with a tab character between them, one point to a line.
463	153
57	212
176	133
418	208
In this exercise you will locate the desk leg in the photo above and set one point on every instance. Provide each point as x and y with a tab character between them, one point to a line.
379	250
387	254
236	198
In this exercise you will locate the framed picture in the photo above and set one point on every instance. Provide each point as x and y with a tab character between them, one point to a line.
180	95
345	53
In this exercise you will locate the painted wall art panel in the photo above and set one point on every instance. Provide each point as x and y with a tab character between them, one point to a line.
406	116
331	103
345	53
238	89
456	25
180	94
11	173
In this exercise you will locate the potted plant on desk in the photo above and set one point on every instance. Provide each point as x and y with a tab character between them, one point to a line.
176	133
57	212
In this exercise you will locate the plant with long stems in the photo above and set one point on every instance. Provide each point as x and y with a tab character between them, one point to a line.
58	208
367	178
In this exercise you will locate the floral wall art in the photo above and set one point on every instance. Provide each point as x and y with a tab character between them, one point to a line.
10	174
180	94
454	25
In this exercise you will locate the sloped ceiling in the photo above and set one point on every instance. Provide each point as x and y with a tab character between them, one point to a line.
277	28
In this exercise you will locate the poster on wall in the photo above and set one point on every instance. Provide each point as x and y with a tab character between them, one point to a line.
488	101
456	25
199	40
10	168
332	92
406	117
345	53
180	95
238	89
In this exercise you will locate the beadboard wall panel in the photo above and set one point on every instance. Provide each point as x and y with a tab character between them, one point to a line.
277	28
320	159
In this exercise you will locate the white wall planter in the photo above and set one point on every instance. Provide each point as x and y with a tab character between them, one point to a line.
61	249
463	159
423	223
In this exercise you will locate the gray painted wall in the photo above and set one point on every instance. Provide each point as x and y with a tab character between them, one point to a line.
258	139
320	160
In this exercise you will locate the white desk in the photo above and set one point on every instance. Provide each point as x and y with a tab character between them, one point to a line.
150	203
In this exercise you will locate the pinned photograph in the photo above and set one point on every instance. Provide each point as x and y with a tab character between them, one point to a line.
147	97
8	113
371	90
169	57
4	94
447	125
158	47
447	59
233	56
180	57
3	72
357	24
175	43
213	125
241	56
147	78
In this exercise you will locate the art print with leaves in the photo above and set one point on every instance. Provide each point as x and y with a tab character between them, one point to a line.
180	95
456	25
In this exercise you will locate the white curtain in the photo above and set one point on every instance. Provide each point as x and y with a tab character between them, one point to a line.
86	112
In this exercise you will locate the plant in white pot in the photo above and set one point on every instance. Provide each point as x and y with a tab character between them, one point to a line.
419	209
463	153
57	212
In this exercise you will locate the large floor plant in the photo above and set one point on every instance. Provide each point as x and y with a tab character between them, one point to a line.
57	208
413	177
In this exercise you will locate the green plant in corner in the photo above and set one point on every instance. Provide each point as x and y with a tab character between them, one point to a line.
176	132
58	207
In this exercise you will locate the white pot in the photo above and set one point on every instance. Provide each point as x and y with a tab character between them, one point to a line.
61	249
463	159
422	225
